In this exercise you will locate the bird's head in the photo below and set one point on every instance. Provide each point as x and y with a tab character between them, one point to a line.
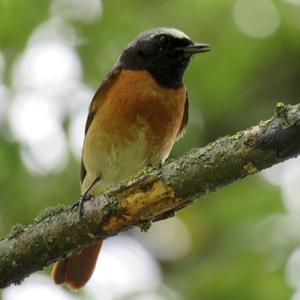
164	52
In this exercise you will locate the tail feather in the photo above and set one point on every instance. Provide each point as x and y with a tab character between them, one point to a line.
77	269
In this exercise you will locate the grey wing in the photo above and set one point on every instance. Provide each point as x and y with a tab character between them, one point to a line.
94	106
185	119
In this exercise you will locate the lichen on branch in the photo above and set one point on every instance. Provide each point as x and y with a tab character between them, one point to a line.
151	195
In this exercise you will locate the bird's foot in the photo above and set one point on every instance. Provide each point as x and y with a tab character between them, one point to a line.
85	197
80	203
157	168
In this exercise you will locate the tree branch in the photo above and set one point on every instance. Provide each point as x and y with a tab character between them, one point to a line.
151	195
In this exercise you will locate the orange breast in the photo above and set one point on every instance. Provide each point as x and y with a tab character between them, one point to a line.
135	102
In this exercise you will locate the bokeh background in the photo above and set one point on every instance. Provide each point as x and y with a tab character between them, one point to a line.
238	243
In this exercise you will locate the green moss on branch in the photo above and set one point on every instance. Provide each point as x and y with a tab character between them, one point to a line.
150	196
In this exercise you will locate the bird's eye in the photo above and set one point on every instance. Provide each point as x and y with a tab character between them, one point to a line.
163	41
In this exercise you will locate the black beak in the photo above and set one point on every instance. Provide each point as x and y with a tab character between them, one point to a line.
195	48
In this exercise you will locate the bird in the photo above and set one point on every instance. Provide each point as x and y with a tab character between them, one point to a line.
135	117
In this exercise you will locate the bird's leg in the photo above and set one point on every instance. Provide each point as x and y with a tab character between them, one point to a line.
157	167
85	197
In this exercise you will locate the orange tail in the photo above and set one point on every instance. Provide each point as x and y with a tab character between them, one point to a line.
76	270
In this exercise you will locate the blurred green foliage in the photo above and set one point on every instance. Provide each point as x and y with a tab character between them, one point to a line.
231	88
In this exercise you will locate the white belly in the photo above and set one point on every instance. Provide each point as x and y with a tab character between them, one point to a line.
113	160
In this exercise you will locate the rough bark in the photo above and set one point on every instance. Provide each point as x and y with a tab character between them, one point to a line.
151	195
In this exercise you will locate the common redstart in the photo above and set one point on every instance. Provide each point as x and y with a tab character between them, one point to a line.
139	111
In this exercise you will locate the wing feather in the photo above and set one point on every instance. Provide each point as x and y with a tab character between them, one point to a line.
94	106
185	119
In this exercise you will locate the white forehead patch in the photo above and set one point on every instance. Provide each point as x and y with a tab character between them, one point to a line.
171	31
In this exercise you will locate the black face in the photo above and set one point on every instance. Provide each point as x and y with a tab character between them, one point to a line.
163	54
